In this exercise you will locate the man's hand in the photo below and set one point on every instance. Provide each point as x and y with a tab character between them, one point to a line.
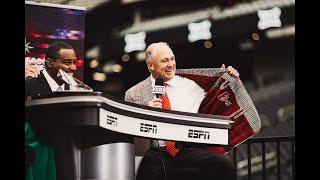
157	103
31	70
231	71
31	67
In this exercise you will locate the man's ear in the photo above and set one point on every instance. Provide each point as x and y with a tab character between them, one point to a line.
150	65
49	61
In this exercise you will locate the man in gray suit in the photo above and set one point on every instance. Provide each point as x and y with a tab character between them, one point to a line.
212	91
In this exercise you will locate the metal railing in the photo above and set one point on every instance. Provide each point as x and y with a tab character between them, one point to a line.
263	141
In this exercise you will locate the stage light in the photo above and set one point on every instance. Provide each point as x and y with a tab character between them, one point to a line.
79	63
108	68
285	31
269	18
93	63
140	56
125	58
93	52
199	31
215	13
246	45
117	68
97	76
255	36
135	42
207	44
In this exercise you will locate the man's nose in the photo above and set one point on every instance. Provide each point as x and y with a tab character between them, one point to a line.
170	63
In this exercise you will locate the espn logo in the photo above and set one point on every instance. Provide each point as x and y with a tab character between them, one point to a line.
198	134
149	128
112	120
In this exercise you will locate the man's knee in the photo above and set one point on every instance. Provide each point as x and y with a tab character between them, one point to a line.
229	168
223	167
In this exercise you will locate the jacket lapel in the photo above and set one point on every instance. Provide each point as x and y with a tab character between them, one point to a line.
44	86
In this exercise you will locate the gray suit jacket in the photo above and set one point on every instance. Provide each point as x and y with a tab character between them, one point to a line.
226	95
141	93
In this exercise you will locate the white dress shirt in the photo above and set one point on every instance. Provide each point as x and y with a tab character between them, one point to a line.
184	95
52	83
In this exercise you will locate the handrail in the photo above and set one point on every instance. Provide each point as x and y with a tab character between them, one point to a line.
263	140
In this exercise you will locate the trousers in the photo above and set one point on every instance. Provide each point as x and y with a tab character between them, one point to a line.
189	164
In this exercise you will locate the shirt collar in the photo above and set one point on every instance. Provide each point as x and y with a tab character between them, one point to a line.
67	78
52	83
153	81
171	82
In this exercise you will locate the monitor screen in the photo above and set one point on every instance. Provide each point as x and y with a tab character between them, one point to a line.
46	23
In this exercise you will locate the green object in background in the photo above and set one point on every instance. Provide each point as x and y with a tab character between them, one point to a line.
43	167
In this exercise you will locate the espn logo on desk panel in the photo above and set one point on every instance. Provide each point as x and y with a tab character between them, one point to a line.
198	134
111	120
148	128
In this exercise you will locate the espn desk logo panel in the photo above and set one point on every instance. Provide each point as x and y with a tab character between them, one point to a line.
198	134
149	128
112	120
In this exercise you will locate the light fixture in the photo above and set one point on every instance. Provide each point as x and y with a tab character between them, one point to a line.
140	56
135	42
125	58
97	76
269	18
285	31
207	44
199	31
255	36
94	63
117	68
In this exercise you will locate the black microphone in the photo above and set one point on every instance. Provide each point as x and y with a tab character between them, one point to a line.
159	88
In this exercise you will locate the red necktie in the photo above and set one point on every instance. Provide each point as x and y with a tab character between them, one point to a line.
170	145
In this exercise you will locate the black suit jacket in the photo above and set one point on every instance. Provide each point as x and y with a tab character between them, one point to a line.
37	86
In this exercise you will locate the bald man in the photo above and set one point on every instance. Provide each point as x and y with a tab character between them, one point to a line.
186	95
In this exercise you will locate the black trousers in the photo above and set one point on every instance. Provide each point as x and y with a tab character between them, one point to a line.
190	163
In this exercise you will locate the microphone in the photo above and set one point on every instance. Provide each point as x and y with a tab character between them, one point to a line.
82	85
159	88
